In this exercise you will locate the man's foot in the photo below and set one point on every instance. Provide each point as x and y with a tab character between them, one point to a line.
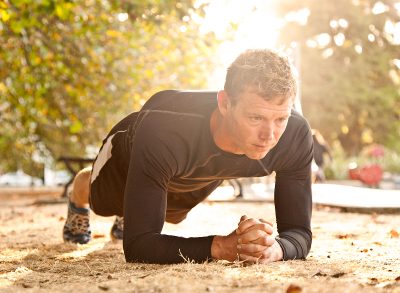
117	229
77	227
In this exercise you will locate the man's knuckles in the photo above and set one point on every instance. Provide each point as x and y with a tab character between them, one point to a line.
243	218
252	235
251	248
249	225
266	227
266	241
246	224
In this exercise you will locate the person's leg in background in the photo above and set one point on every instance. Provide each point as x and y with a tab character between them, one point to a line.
77	226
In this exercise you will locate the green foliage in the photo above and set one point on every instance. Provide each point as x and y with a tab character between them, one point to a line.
350	84
70	69
337	168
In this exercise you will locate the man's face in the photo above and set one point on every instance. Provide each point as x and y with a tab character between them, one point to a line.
256	125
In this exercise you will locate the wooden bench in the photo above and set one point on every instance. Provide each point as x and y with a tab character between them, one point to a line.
74	165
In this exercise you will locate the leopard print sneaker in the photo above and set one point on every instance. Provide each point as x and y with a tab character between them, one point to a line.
117	229
77	227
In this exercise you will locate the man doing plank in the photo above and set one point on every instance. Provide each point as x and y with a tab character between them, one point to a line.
157	164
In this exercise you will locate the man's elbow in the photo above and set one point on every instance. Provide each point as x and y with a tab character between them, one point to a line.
305	244
296	244
307	248
133	251
129	252
142	249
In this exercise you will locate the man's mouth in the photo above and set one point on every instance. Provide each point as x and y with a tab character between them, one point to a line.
261	147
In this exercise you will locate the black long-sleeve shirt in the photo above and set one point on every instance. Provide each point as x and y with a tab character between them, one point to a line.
170	153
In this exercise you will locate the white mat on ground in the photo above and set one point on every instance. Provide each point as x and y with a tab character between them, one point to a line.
325	194
355	197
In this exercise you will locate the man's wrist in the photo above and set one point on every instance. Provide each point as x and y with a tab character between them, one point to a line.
277	252
216	247
224	247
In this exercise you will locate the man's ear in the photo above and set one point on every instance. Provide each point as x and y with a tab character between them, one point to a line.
224	102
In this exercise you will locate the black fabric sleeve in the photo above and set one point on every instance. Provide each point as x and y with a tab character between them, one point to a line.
152	164
293	199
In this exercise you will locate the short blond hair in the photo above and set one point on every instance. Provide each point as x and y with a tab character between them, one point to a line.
264	72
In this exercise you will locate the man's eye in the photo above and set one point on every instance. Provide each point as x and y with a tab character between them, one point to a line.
282	120
255	118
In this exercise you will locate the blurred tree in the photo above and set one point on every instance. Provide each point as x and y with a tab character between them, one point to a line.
70	69
350	65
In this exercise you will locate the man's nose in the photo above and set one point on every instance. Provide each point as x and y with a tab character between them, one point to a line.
266	133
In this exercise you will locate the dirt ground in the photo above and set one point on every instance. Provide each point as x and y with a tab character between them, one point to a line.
351	252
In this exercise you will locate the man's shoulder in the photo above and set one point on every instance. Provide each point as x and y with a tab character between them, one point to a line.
297	124
176	129
294	146
182	120
181	100
298	118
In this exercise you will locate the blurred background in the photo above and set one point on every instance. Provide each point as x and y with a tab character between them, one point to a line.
69	70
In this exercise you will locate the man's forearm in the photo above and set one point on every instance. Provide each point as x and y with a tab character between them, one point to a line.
166	249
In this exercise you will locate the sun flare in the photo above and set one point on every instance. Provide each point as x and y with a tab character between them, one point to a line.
255	27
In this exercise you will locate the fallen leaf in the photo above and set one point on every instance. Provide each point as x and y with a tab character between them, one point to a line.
394	234
364	250
338	275
318	274
345	236
378	243
95	236
397	279
26	285
236	284
293	289
104	288
144	276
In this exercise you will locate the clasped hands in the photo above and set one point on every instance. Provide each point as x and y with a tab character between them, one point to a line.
255	241
252	242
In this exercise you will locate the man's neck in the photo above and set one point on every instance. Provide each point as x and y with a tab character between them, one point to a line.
219	133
